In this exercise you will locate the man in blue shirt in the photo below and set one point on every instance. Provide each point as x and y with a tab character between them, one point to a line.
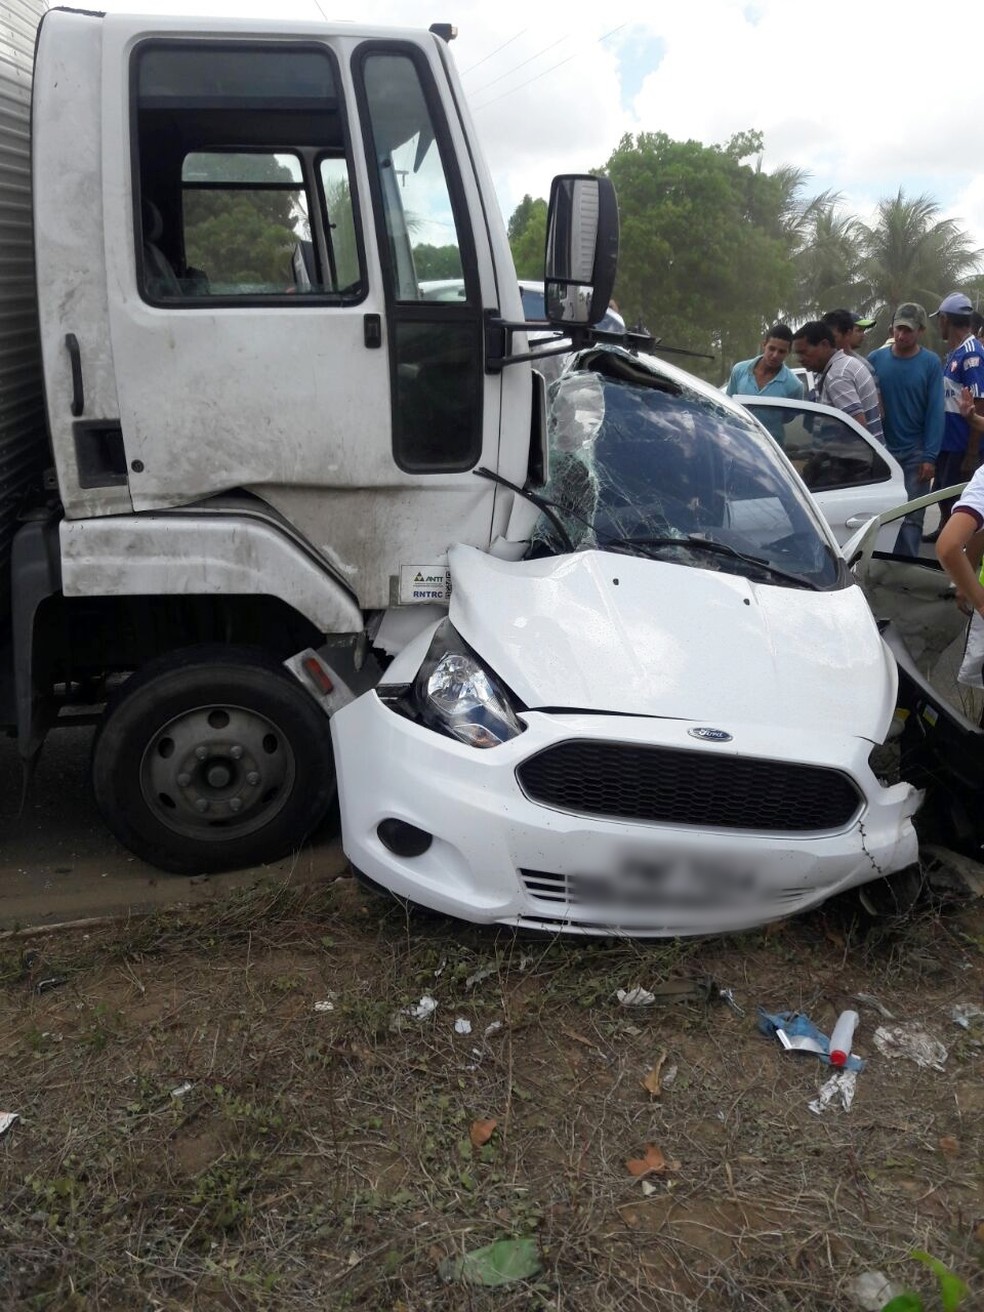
963	367
767	374
911	385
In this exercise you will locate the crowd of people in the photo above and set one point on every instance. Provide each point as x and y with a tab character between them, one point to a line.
931	419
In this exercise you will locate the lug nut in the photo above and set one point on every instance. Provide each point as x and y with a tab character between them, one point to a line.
236	752
184	779
235	804
253	778
201	804
201	753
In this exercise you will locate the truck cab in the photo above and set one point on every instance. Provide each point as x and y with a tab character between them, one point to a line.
263	434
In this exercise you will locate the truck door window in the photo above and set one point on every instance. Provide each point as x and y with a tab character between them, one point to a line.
238	151
424	238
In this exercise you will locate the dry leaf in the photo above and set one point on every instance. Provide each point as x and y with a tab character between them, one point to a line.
653	1161
651	1081
482	1131
949	1146
979	1232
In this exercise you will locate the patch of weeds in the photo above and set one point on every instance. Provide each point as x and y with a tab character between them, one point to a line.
262	1118
224	1192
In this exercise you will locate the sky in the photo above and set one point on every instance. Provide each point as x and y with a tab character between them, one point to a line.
553	87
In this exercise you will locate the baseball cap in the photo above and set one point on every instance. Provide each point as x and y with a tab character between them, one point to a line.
955	303
861	322
910	315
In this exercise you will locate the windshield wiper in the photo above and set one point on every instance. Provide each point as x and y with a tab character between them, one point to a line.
545	504
692	542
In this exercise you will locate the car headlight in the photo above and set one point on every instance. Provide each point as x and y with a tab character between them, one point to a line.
456	695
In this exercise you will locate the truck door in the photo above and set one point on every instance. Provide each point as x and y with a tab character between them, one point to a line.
273	218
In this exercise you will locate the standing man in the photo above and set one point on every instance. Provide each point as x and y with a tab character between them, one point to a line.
767	374
849	330
911	384
843	380
963	367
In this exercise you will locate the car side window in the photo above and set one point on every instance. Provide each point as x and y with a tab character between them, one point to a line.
826	452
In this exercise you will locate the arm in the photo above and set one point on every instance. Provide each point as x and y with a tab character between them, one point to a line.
959	551
933	423
732	388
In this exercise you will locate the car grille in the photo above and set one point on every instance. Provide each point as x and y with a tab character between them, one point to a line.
663	785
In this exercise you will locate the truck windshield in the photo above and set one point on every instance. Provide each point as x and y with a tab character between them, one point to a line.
643	462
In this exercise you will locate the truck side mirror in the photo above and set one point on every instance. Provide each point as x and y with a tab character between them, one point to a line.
582	249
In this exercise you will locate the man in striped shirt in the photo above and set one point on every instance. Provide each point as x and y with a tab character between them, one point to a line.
843	380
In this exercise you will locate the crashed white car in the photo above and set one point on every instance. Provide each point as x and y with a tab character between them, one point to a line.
659	721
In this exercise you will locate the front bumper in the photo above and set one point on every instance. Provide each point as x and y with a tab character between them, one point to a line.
498	857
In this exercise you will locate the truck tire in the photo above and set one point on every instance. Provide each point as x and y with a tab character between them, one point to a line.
212	758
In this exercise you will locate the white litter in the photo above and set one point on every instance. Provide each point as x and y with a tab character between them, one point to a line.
182	1089
424	1008
965	1012
7	1119
493	1028
637	997
871	1290
870	1000
839	1088
462	1026
477	976
327	1004
908	1040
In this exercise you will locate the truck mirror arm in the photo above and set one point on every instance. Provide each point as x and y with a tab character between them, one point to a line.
571	337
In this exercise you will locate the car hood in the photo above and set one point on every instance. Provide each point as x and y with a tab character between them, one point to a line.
619	634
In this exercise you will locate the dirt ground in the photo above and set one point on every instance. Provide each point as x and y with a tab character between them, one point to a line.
223	1107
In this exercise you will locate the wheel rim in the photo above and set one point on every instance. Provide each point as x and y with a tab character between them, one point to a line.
217	772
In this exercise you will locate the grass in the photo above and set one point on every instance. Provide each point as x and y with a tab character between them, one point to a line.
323	1158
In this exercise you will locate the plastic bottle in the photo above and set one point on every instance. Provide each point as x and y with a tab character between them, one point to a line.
840	1039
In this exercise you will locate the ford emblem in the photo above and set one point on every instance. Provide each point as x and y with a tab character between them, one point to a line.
711	735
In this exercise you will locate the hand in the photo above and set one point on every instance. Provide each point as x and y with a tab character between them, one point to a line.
926	471
966	402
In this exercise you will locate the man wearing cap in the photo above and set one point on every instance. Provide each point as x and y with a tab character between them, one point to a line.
963	368
849	330
911	384
843	380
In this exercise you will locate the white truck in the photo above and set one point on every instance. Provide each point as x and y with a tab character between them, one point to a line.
246	456
233	431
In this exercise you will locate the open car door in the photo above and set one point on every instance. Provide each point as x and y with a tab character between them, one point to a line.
849	473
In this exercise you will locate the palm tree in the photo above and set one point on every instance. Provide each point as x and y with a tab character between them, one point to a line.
910	254
826	256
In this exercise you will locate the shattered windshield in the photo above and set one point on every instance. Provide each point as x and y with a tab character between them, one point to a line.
642	463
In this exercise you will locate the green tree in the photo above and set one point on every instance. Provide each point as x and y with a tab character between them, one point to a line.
704	248
239	232
826	254
437	261
910	253
527	230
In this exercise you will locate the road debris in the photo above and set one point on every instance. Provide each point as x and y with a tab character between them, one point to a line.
964	1013
869	1000
637	997
462	1026
416	1011
501	1263
908	1039
871	1290
797	1033
840	1087
7	1119
480	1132
182	1089
477	976
842	1036
651	1081
326	1004
652	1162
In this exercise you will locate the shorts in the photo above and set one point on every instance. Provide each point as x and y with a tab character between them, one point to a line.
972	666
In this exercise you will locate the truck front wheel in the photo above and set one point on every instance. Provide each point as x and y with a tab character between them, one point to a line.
212	758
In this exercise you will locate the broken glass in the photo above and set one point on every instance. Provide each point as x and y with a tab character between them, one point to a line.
643	462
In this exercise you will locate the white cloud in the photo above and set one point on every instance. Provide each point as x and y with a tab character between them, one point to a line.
807	78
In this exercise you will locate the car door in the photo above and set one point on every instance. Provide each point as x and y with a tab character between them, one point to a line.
850	474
